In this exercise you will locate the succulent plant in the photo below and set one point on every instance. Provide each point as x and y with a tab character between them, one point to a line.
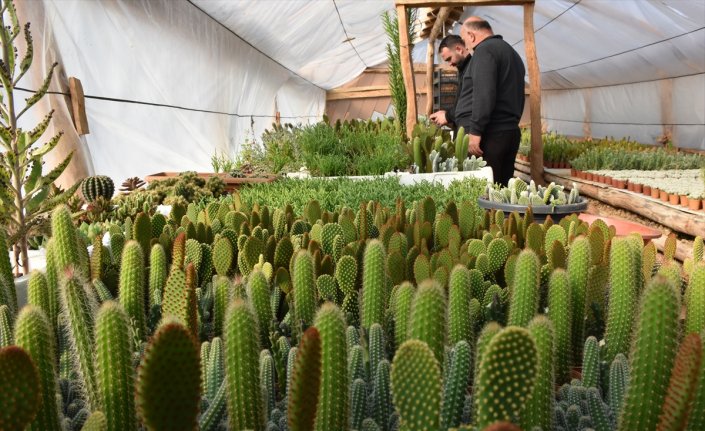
97	186
20	386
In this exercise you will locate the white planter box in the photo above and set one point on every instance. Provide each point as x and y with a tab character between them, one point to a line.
37	260
408	179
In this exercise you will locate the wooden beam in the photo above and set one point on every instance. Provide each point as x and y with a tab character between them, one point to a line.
430	55
429	3
407	69
385	92
78	106
534	95
360	88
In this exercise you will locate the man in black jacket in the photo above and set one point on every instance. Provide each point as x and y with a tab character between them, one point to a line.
492	98
453	51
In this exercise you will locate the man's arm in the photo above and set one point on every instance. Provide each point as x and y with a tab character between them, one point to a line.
484	80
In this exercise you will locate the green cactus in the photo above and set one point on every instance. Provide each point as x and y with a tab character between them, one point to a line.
535	237
591	363
37	291
114	370
623	299
66	243
598	411
6	337
174	300
525	294
422	268
374	293
304	288
142	233
377	347
456	385
695	300
346	273
560	313
618	382
96	422
578	266
79	309
652	355
428	318
222	256
358	403
35	335
459	295
467	219
497	253
327	290
157	274
305	383
132	288
221	288
214	368
416	386
538	411
248	255
267	381
97	259
356	363
117	242
511	358
52	275
382	401
682	386
169	379
97	186
259	292
696	421
245	404
351	308
20	387
402	312
333	399
211	418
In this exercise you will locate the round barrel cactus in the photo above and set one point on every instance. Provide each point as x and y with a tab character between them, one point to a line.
97	186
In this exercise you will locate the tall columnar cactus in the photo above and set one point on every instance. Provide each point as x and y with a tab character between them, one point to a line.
65	241
259	293
416	386
402	312
525	294
618	382
115	374
382	400
157	274
35	335
221	300
245	407
267	381
52	276
358	403
304	288
511	358
169	379
38	291
20	388
214	369
538	411
132	287
305	383
591	363
598	411
695	300
428	318
456	385
578	266
142	233
223	254
6	337
374	289
377	347
682	386
333	399
622	300
459	295
652	355
79	309
560	312
697	416
483	340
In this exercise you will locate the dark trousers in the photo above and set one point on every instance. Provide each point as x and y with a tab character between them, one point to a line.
500	149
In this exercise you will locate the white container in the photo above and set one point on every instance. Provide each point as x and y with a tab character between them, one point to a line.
38	261
444	178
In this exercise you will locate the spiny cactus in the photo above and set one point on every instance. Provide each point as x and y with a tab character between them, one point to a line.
538	411
377	347
66	243
578	266
560	312
456	385
97	186
346	273
157	274
305	383
214	368
35	335
598	411
169	379
681	388
20	388
511	358
428	318
304	288
223	255
622	300
132	288
591	363
459	295
382	396
695	300
258	291
374	288
6	336
618	382
402	312
142	233
114	370
358	403
652	355
38	291
525	294
79	309
416	386
483	340
333	399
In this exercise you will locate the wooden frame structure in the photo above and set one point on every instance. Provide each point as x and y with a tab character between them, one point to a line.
531	59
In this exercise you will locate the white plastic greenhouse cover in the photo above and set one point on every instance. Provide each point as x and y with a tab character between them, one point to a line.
207	75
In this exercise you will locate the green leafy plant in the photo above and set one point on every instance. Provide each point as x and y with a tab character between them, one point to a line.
390	21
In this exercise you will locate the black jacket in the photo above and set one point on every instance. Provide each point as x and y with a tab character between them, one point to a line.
492	96
450	114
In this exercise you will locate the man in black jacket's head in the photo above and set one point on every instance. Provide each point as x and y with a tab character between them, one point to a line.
453	51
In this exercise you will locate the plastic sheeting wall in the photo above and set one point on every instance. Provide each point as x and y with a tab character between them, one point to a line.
165	52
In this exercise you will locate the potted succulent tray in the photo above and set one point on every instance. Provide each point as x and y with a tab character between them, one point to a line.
231	183
544	201
445	178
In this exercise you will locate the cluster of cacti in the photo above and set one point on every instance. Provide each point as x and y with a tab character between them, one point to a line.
518	192
371	319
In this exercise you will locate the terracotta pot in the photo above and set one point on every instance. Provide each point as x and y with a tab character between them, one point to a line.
694	204
573	173
589	176
630	186
655	193
637	187
646	190
683	200
663	195
673	199
620	184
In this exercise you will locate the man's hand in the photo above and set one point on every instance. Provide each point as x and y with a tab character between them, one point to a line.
474	145
439	118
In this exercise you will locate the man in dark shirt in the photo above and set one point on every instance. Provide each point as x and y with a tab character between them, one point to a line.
492	98
453	51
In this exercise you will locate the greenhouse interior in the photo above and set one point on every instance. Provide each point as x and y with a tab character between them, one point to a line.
366	215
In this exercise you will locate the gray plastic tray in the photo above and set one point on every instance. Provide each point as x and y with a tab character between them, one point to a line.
540	211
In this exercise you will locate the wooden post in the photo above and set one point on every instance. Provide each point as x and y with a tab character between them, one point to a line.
407	69
534	95
430	55
278	118
78	106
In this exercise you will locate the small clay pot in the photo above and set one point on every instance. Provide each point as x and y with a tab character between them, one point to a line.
655	193
683	200
663	196
620	184
589	176
694	204
573	172
637	187
673	199
646	190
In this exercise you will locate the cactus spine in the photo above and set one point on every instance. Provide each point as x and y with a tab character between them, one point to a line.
132	287
653	352
510	358
428	318
622	300
114	371
333	399
538	411
305	383
373	285
169	379
525	294
35	335
416	386
245	408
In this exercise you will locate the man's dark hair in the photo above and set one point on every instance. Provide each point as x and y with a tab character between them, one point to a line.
450	42
478	25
